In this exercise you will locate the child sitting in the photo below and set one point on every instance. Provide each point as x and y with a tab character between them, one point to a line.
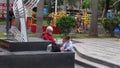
67	44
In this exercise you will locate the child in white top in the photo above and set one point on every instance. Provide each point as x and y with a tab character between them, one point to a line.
67	44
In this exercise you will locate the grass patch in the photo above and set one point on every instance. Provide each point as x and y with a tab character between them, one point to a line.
58	35
2	35
45	23
71	35
85	36
2	22
31	35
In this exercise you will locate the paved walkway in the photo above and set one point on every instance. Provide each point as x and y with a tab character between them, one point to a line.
2	28
103	49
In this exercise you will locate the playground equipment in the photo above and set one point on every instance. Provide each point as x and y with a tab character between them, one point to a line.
19	13
3	8
117	29
79	21
21	10
55	16
86	18
82	20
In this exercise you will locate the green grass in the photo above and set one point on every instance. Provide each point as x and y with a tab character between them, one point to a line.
45	23
58	35
31	35
85	36
2	22
2	35
71	35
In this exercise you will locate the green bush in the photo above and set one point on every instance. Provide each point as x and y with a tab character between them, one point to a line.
110	24
65	24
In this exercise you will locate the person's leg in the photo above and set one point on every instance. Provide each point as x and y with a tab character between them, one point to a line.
10	23
55	48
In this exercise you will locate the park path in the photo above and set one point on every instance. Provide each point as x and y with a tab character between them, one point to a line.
101	53
2	28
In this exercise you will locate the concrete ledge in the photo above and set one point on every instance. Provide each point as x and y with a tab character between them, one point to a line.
26	46
34	55
37	59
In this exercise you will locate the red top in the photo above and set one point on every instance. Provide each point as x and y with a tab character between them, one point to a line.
47	36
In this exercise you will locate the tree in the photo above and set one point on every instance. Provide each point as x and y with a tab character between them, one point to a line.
93	25
116	5
86	3
65	24
110	24
101	5
40	7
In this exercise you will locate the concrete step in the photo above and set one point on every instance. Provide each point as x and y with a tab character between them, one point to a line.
84	54
86	63
78	66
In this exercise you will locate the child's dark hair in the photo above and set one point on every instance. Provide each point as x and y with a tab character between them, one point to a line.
67	37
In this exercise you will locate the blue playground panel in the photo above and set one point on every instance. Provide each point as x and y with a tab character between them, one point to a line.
117	29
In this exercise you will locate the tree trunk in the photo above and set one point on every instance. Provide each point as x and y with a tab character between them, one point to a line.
49	6
93	25
64	3
40	8
112	34
105	8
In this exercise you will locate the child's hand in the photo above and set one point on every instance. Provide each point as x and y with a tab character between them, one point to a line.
62	48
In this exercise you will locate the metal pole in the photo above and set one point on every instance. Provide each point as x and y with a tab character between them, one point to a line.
7	19
56	6
81	4
65	5
55	9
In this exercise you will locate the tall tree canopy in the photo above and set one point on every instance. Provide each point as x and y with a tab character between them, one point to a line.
86	3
